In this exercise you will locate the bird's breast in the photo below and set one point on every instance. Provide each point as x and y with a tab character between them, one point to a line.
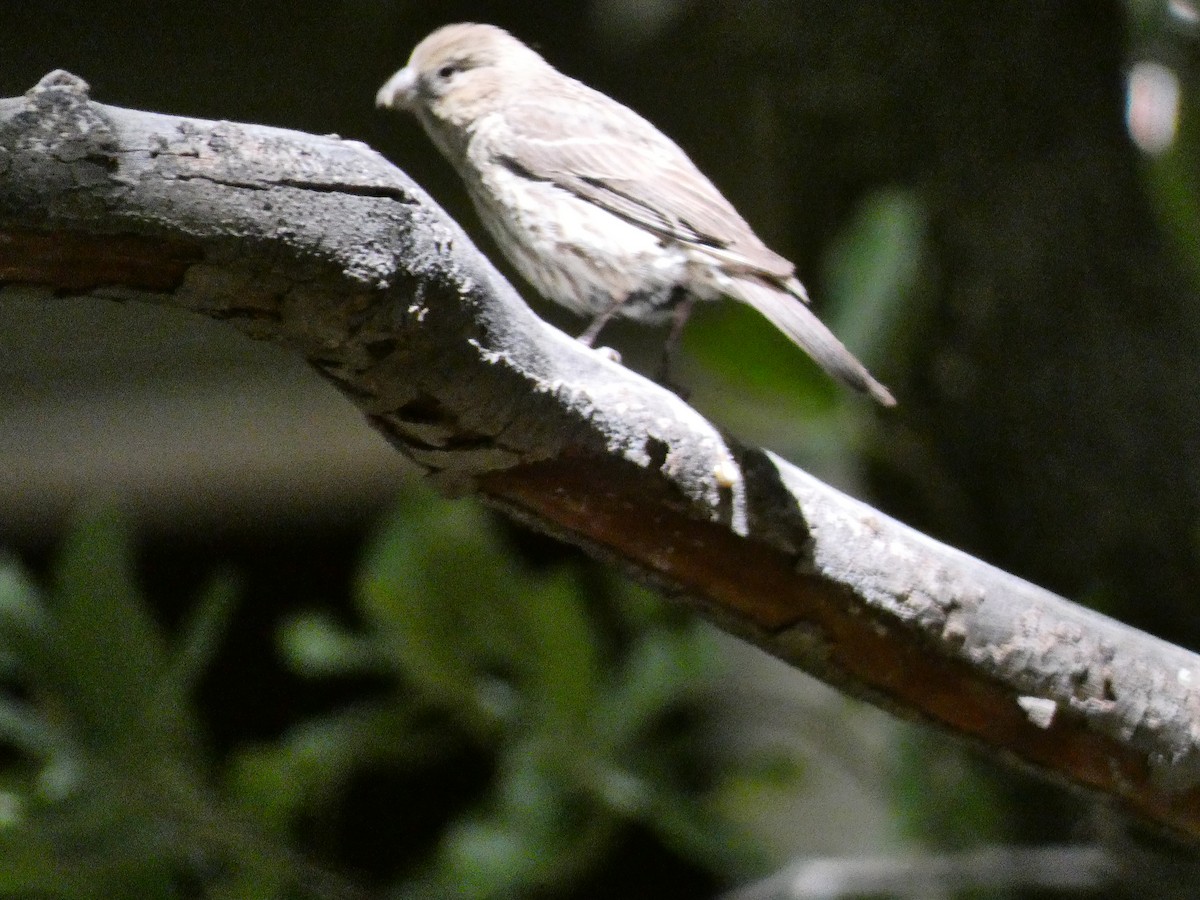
574	252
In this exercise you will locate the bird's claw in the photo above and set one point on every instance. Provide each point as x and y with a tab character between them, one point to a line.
609	353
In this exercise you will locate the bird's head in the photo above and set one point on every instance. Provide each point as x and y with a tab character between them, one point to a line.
459	73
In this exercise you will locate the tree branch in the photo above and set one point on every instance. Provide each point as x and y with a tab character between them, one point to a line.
1071	868
319	245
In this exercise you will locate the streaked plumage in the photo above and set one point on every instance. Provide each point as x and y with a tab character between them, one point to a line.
599	210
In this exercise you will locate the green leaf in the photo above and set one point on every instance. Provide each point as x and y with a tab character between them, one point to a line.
420	619
440	593
871	268
111	655
200	638
25	729
660	669
539	830
24	630
942	795
561	660
315	758
752	356
314	645
695	831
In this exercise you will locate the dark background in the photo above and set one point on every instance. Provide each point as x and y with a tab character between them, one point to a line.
1037	316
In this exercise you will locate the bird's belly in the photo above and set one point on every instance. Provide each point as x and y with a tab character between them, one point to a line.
579	255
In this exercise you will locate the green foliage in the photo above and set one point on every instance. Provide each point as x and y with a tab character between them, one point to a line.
870	270
772	394
108	798
942	797
581	688
512	661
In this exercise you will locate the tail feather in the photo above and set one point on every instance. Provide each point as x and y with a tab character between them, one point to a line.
790	314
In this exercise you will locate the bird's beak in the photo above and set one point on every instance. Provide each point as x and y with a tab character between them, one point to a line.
399	91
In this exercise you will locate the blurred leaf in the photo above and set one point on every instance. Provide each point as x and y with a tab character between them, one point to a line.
110	655
941	797
23	728
538	831
316	758
574	718
109	799
561	660
1163	33
30	865
751	355
197	645
571	703
437	590
662	667
696	830
871	267
755	783
314	645
24	633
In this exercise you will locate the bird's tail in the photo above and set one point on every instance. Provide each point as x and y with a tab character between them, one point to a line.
791	315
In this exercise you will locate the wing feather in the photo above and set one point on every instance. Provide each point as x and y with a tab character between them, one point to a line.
610	156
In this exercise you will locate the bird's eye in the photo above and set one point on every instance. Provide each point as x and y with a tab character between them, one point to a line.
446	71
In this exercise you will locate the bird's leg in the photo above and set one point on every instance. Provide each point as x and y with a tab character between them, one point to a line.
593	330
684	300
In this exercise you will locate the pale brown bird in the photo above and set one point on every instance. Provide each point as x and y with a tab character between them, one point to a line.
599	210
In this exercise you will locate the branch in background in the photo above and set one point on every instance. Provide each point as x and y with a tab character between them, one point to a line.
1083	869
319	245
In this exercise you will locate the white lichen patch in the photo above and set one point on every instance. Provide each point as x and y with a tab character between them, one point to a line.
1039	710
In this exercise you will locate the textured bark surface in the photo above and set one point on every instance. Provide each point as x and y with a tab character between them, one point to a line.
320	246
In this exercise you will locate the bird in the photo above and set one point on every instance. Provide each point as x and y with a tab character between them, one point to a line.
594	206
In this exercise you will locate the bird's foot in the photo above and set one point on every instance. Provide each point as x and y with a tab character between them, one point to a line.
609	353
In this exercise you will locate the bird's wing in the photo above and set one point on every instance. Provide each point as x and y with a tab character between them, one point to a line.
610	156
